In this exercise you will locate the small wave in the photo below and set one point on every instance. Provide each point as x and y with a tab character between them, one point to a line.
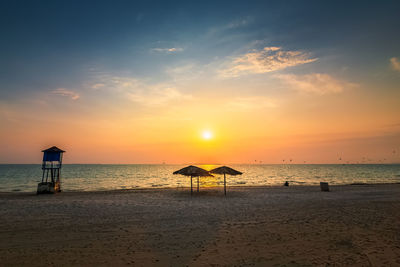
158	185
296	182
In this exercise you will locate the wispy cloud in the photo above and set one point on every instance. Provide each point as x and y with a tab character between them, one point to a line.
67	93
143	93
167	50
186	72
317	83
394	62
235	24
238	23
267	60
97	85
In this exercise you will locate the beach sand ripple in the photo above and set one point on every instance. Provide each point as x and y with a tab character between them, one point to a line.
252	226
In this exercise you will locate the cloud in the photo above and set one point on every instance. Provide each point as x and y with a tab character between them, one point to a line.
225	28
143	93
394	61
238	23
167	50
67	93
97	85
267	60
185	72
317	83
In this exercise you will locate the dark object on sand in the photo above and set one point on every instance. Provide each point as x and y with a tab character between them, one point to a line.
324	187
51	165
286	183
193	171
225	170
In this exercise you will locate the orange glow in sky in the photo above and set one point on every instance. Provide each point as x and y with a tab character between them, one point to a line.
241	84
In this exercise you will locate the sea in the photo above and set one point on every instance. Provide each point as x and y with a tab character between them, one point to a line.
100	177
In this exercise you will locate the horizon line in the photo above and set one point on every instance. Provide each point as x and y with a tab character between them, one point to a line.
349	163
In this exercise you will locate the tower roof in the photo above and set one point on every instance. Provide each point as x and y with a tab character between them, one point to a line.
53	149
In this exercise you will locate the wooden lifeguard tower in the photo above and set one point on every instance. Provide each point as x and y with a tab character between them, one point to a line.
51	166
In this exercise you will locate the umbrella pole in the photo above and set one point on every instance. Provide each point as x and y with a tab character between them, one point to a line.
197	183
191	185
224	185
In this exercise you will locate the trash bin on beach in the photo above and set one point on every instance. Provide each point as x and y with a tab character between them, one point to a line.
324	186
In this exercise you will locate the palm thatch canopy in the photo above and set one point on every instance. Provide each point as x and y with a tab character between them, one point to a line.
225	170
193	171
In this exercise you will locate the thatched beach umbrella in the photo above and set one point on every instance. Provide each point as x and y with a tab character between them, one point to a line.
193	171
225	170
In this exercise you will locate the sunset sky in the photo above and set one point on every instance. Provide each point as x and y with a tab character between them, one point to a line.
200	82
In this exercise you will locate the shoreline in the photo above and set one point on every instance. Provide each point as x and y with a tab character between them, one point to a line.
155	189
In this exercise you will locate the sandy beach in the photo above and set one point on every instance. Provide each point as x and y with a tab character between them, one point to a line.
357	225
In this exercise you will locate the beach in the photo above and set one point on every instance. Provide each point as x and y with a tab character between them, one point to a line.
357	225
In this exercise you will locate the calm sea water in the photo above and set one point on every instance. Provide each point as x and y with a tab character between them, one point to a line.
77	177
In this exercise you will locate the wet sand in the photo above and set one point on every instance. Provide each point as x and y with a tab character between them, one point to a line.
355	225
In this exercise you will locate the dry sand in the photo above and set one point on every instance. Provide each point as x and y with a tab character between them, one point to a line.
259	226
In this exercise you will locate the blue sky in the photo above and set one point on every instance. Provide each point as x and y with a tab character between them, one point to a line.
127	59
59	43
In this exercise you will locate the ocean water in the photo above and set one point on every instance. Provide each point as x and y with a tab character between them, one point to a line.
98	177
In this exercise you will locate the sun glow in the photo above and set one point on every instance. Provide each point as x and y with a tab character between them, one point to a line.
207	135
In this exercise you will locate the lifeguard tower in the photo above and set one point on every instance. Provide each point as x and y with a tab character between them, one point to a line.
52	161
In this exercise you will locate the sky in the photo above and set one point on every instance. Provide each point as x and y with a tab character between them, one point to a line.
200	81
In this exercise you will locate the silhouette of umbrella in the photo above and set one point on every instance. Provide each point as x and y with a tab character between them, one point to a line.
225	170
193	171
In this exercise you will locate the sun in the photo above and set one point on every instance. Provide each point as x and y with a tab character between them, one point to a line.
207	135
